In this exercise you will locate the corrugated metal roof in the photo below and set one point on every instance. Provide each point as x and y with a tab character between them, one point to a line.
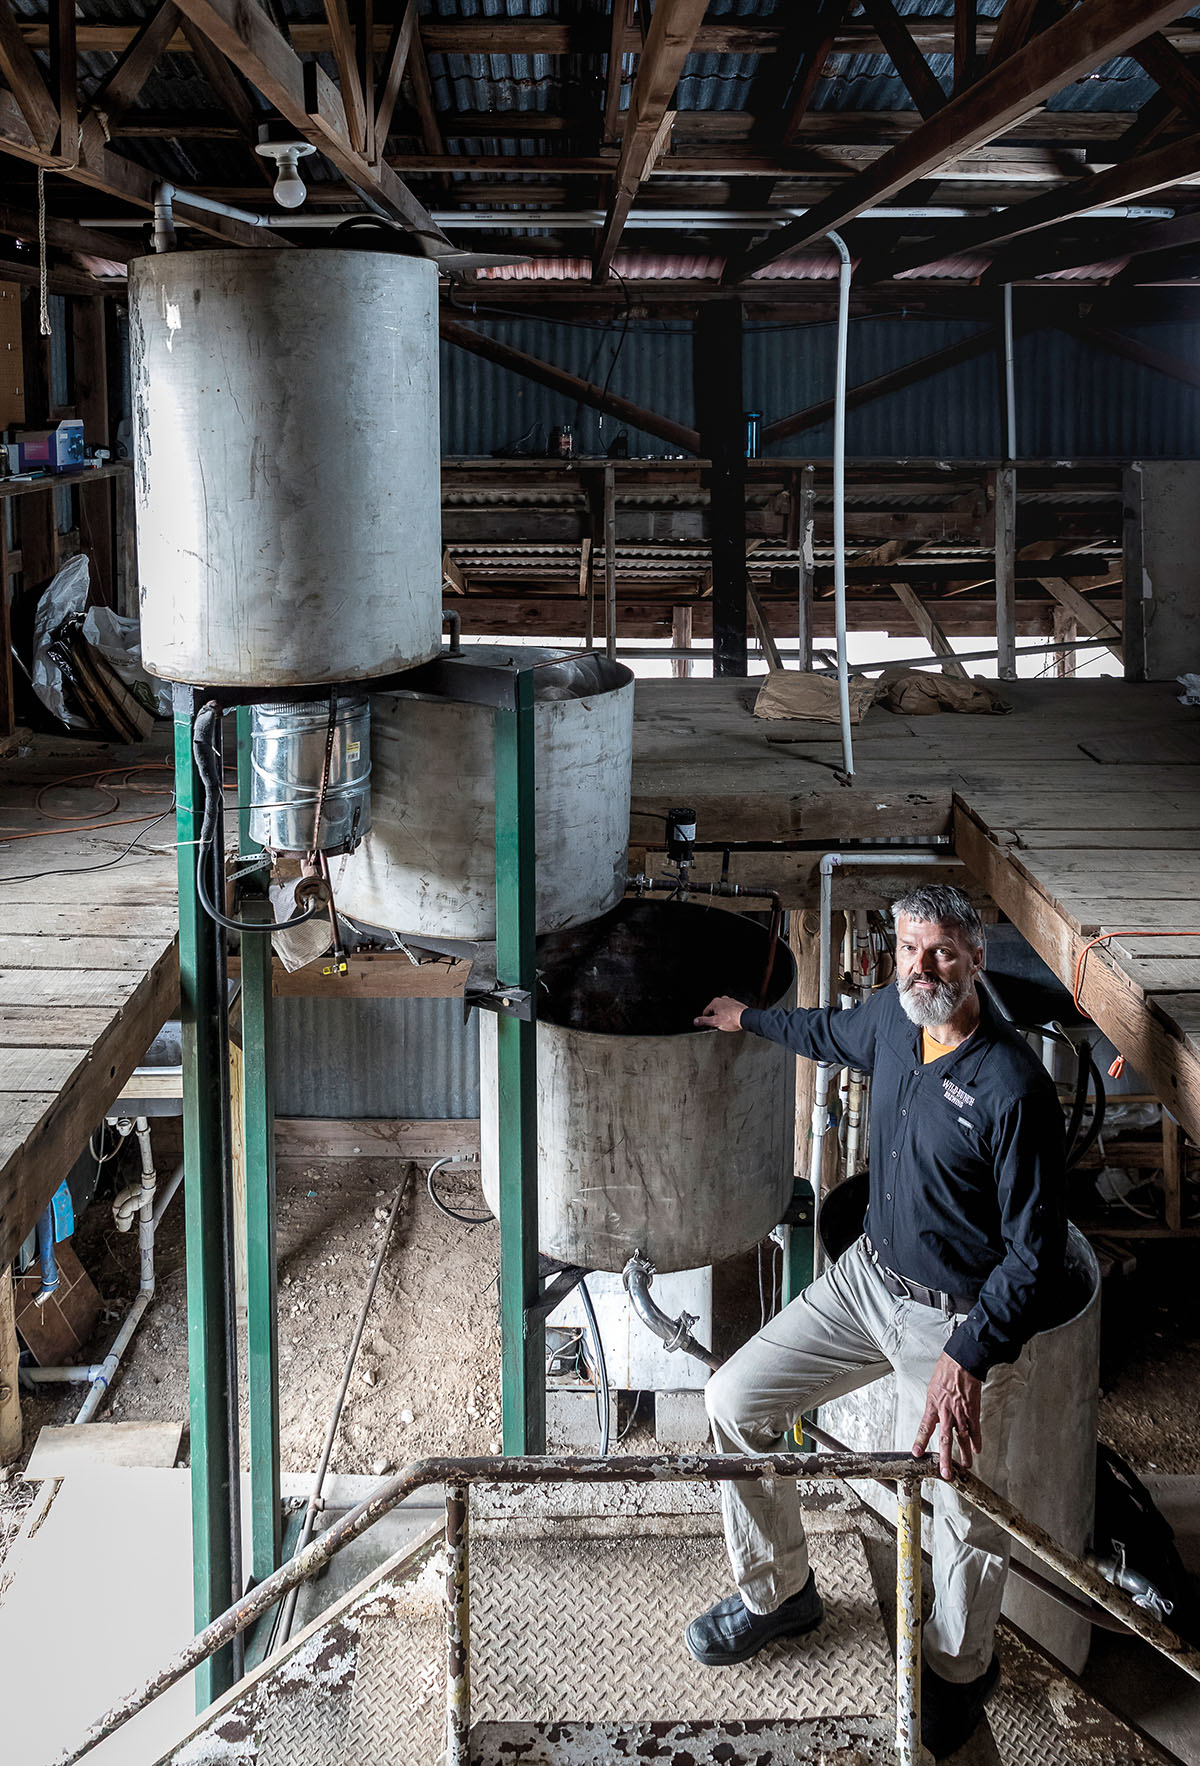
375	1058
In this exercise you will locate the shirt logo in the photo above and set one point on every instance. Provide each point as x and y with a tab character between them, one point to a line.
956	1095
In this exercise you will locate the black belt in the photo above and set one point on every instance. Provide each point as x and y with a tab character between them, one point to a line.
900	1288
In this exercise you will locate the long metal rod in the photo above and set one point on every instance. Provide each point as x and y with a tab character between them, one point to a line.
839	500
313	1506
668	653
908	1622
664	1468
458	1626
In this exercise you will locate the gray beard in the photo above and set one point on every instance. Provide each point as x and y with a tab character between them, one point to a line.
930	1010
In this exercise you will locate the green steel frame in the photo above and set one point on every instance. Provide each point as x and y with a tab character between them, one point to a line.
207	1176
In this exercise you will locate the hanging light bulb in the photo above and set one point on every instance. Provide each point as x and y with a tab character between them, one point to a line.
289	189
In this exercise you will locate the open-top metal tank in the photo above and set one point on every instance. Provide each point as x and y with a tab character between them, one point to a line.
429	863
653	1136
286	440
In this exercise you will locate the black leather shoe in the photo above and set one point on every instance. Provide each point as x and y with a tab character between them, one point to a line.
950	1711
730	1632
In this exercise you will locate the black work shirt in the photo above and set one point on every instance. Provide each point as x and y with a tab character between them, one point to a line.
967	1162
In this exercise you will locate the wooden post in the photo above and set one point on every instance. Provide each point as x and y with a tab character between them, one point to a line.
10	1398
804	610
89	391
1006	572
1172	1172
929	629
1134	624
681	639
717	384
1065	632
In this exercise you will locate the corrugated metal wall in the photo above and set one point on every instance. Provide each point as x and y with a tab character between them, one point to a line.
375	1058
1073	401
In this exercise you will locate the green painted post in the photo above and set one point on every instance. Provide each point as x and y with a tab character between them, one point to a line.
203	1162
799	1255
523	1344
258	1147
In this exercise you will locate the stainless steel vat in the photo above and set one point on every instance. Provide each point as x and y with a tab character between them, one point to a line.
652	1136
286	447
429	864
1051	1434
287	758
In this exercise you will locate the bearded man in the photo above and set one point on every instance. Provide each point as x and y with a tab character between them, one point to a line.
960	1264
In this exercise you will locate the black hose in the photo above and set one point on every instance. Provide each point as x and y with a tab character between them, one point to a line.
1096	1126
601	1368
208	766
444	1207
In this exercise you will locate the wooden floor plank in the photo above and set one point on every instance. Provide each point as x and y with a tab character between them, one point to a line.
51	1027
23	1070
68	987
134	955
55	920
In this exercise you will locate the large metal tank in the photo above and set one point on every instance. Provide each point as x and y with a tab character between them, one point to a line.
653	1136
286	442
429	864
1051	1431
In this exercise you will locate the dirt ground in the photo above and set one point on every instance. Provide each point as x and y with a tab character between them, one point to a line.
427	1376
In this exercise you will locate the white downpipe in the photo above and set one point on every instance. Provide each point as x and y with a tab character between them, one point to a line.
839	499
1010	379
166	195
829	862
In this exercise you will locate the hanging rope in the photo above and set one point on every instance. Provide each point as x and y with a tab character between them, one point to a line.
43	300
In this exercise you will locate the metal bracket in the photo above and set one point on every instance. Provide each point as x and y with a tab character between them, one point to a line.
507	1002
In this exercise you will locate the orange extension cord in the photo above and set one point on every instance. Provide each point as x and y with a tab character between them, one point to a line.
1118	1066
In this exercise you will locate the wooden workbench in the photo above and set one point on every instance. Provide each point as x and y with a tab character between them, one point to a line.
88	963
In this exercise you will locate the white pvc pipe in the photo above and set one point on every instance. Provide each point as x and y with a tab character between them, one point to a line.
839	499
829	862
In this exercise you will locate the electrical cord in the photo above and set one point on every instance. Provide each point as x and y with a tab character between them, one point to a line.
208	765
444	1207
601	1368
105	865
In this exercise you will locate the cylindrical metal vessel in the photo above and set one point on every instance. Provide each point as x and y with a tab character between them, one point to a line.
286	447
1053	1425
429	865
652	1136
288	744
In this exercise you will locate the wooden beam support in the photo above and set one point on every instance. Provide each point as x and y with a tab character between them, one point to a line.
1005	511
820	32
68	235
10	1356
398	49
762	627
64	78
717	394
121	85
929	629
345	53
681	639
116	176
669	42
1088	36
570	385
452	577
803	497
1170	72
893	381
918	77
966	26
29	89
1088	618
308	100
1156	170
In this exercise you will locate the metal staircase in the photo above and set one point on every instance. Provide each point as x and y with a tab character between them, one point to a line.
571	1608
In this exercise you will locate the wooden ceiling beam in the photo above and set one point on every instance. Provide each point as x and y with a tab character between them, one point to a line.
1156	170
100	169
121	85
68	235
308	100
1094	32
1011	31
669	42
345	54
912	67
24	77
1170	72
398	49
816	50
620	24
893	381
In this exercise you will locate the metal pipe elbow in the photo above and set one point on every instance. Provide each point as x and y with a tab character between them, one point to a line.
675	1333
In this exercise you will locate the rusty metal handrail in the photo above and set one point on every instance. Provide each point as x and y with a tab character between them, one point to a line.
907	1472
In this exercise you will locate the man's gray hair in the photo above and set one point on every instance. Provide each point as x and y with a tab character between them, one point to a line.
941	904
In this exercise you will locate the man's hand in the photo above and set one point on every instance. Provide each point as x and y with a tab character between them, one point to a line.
952	1408
722	1013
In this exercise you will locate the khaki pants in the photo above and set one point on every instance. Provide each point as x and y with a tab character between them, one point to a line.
842	1332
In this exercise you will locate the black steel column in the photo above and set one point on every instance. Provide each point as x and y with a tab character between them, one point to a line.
717	380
